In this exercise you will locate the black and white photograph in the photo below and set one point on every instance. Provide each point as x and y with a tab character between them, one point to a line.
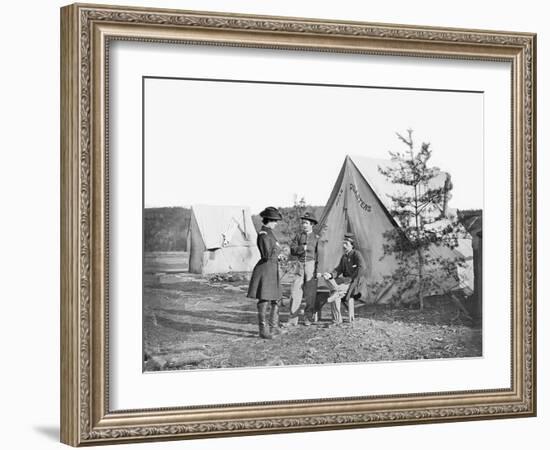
279	232
243	225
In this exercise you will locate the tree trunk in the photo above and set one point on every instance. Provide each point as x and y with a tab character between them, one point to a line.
419	249
420	279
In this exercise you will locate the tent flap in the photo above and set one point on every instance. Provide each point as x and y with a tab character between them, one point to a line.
225	226
223	239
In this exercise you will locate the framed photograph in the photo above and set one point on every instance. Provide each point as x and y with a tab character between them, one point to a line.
275	224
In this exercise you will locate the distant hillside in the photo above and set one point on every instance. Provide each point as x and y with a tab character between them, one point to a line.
165	229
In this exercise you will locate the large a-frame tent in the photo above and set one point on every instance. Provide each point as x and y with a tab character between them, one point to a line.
359	204
221	239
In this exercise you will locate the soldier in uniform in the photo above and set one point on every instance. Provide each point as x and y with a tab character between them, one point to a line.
265	285
305	247
352	268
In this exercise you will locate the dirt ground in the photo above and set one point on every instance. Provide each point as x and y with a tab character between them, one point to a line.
194	322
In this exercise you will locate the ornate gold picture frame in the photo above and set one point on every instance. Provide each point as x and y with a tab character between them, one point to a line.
87	32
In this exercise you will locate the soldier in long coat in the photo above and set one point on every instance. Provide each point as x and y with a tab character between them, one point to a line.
265	285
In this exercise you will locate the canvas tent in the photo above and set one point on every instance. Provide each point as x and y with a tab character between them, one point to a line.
359	204
221	239
472	220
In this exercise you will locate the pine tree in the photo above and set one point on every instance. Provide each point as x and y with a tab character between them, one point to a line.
419	207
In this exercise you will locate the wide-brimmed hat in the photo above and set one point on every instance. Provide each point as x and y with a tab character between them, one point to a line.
350	237
309	216
271	213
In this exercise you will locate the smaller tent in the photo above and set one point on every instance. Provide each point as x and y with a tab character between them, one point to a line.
221	239
473	222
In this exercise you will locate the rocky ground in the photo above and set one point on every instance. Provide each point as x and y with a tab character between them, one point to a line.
193	322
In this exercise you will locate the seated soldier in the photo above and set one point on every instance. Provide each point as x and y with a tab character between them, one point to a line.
352	267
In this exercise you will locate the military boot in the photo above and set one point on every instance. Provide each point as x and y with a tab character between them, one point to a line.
274	320
262	320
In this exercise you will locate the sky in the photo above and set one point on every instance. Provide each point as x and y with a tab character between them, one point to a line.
222	143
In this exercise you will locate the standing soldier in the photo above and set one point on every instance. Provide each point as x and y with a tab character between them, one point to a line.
265	285
305	247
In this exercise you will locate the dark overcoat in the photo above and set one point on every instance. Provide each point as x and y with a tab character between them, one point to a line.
352	266
265	283
311	242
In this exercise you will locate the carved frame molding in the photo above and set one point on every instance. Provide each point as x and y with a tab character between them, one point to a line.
86	32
